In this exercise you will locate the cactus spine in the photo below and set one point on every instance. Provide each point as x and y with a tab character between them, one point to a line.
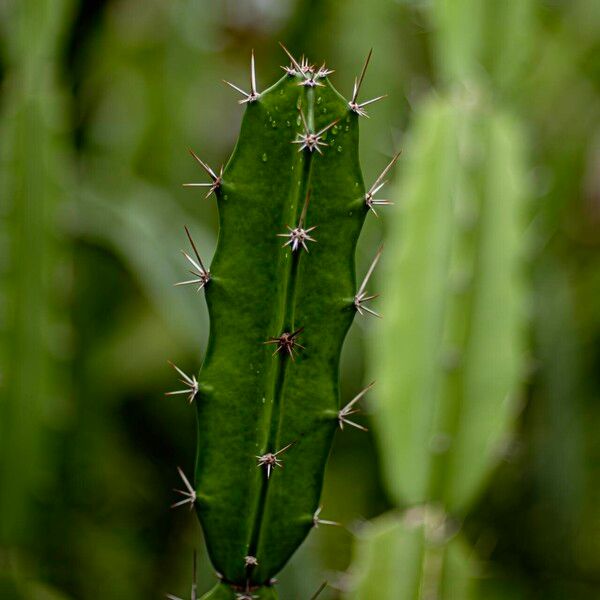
281	294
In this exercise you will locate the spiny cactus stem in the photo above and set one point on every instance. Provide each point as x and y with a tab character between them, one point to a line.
285	392
350	410
291	276
190	494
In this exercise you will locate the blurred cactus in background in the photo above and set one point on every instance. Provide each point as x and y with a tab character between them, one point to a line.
449	356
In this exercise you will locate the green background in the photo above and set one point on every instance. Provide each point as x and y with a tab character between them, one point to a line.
99	100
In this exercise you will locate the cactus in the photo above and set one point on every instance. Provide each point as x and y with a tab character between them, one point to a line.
448	359
281	293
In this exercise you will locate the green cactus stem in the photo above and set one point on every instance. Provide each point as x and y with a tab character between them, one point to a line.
281	294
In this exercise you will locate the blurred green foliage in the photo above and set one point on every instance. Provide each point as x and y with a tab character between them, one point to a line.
99	101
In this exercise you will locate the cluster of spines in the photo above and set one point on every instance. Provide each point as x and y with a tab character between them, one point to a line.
297	238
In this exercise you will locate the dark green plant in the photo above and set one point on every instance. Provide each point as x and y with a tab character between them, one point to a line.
282	294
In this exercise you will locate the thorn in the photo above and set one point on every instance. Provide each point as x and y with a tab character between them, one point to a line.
309	140
324	71
311	76
201	274
298	236
319	133
216	179
190	382
287	342
253	95
370	201
270	460
359	108
359	80
190	494
317	521
253	91
361	296
318	592
298	70
350	410
250	561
